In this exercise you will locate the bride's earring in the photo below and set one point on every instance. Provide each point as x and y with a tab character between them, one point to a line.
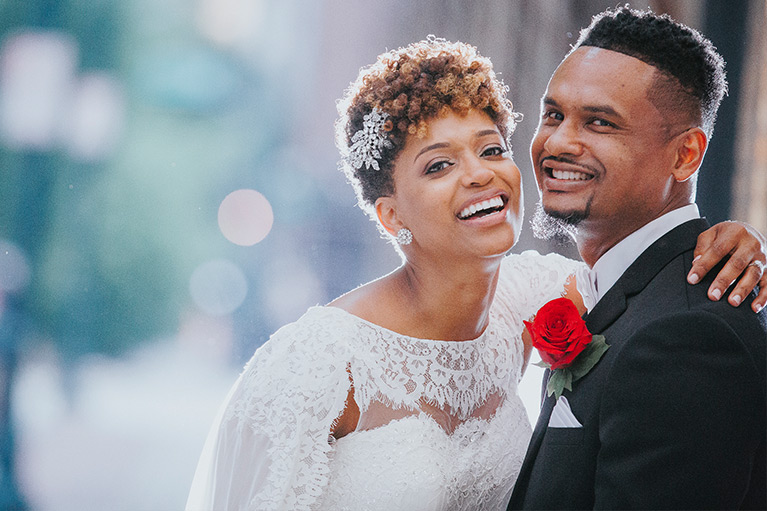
404	236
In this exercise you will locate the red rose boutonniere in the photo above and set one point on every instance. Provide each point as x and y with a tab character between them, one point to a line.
565	344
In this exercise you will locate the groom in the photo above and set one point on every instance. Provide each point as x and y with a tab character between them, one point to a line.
673	415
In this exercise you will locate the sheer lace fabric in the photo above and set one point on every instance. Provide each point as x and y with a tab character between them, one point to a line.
441	424
412	463
447	380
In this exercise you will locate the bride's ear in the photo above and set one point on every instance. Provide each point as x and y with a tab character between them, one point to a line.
387	214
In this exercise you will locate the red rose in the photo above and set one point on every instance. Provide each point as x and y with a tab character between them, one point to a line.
559	333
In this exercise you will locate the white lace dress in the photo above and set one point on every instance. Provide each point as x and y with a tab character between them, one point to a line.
441	425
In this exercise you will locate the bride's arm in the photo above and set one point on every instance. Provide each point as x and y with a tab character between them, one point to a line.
571	292
232	470
269	447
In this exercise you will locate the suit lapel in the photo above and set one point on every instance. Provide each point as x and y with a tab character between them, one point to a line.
641	272
533	448
607	310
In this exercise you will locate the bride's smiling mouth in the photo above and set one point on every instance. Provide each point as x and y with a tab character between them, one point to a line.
483	207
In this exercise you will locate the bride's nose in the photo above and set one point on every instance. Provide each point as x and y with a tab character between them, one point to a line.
477	173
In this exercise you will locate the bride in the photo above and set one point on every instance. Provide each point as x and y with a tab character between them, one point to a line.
402	394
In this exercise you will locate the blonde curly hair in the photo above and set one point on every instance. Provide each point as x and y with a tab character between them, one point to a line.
414	85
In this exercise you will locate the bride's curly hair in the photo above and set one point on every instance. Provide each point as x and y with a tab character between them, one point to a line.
415	84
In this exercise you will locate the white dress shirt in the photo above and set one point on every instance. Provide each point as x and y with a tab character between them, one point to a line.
595	282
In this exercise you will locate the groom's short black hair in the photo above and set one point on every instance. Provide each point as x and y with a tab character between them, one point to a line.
692	68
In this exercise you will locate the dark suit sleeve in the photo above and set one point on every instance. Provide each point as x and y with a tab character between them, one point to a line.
679	418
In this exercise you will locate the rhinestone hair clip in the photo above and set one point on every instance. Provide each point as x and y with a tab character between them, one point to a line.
368	142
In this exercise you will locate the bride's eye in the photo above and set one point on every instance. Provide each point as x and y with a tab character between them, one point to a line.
494	151
437	166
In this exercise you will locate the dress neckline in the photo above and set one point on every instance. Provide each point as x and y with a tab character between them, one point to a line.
344	312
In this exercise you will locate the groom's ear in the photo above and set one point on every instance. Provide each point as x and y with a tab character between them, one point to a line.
386	210
690	150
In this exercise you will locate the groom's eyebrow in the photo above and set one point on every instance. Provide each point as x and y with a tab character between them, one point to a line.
549	101
603	109
607	109
592	109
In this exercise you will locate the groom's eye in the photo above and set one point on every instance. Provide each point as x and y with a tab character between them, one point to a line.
553	116
602	123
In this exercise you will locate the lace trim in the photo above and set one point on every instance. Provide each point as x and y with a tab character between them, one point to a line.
456	376
291	391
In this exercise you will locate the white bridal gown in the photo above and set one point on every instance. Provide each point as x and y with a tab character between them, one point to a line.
441	425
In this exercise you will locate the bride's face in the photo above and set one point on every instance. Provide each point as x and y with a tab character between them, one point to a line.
457	190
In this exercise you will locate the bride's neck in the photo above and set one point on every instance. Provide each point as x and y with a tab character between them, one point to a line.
445	301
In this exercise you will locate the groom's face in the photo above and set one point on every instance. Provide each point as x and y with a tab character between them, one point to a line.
600	155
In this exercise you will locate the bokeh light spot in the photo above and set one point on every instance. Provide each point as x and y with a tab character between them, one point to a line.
218	287
245	217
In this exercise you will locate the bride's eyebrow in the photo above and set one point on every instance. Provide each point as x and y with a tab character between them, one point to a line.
442	145
485	133
438	145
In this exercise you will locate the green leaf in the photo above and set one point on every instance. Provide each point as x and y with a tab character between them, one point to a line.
560	380
589	357
541	364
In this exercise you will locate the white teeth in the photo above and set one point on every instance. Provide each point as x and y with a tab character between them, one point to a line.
495	202
569	175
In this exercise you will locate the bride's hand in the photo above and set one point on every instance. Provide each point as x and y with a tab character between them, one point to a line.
747	251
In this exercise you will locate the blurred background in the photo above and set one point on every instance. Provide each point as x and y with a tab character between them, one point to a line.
169	196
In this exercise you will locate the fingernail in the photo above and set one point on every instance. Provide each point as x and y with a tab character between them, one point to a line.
717	294
693	278
697	257
735	299
759	308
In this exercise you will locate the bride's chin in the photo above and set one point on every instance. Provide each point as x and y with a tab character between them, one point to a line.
501	246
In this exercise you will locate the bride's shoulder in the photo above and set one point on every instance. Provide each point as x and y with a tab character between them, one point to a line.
532	260
318	326
321	334
302	365
531	265
305	353
530	279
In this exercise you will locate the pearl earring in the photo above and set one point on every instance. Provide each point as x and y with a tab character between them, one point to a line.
404	236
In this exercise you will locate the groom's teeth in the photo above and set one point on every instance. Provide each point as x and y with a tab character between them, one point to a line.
495	202
569	175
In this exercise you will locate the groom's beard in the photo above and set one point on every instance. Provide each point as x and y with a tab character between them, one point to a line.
559	228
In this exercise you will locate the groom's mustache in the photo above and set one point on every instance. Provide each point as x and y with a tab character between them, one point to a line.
570	161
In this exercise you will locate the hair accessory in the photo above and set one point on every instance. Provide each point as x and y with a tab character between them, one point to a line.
368	142
404	236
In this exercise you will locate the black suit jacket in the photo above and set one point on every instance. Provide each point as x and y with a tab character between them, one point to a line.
674	414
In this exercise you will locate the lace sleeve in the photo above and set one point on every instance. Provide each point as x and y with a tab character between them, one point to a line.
269	449
529	280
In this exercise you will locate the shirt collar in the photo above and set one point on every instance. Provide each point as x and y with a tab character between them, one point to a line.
609	268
